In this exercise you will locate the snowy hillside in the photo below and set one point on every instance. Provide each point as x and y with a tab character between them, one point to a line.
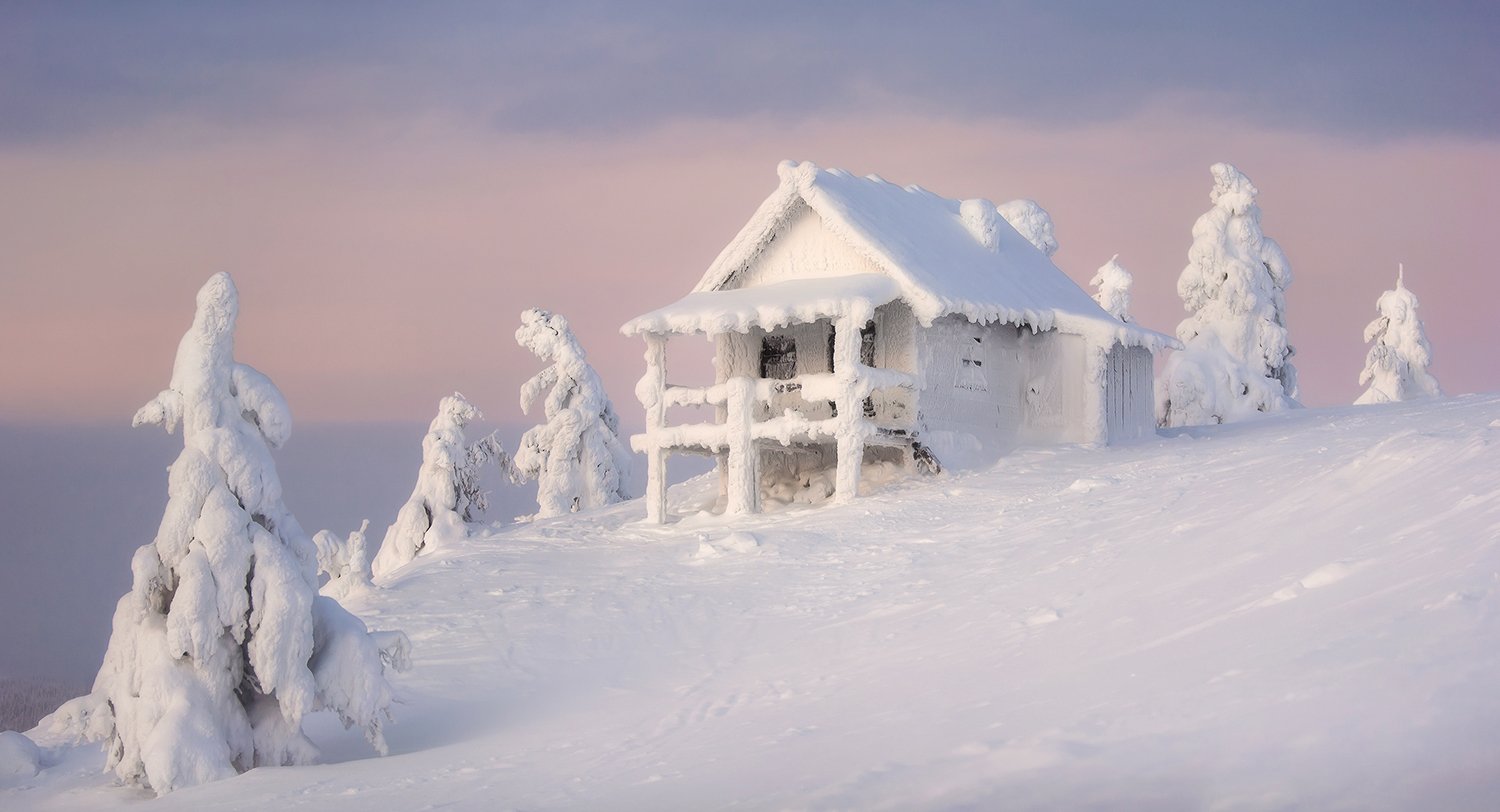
1297	612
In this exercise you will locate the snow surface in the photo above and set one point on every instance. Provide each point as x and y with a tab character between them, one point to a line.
1143	626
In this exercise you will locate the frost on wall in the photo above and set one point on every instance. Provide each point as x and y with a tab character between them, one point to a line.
1113	283
1236	361
223	643
1396	367
576	456
1032	222
448	493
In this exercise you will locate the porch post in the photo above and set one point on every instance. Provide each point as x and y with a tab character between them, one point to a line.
851	442
653	394
744	459
721	415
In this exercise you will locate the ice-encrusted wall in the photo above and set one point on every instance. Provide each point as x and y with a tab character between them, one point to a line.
1054	390
989	388
971	393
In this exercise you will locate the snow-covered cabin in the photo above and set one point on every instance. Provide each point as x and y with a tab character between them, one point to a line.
858	321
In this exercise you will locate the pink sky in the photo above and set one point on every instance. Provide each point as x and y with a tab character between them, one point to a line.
381	267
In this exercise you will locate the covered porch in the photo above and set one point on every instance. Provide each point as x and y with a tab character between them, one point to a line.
761	401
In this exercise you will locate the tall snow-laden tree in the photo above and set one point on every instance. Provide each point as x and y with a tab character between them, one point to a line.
1396	367
1032	222
576	456
1236	357
1113	283
223	643
448	493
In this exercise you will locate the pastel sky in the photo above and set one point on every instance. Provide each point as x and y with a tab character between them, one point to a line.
392	183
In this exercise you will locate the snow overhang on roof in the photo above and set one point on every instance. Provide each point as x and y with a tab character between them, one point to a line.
769	307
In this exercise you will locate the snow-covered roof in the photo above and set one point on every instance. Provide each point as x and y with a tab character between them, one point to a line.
771	306
945	256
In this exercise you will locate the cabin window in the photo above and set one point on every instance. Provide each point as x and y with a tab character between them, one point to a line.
866	344
971	366
867	357
778	357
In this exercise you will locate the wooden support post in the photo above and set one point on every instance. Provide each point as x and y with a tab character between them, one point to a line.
722	350
744	458
851	444
653	393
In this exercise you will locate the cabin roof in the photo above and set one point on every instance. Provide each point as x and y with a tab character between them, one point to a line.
944	256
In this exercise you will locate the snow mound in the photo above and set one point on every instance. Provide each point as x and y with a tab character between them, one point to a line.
736	543
19	755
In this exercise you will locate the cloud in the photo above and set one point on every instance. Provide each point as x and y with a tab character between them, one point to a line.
1368	70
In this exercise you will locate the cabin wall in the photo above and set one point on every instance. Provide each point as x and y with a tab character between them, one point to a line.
1129	408
1055	388
896	348
802	249
990	388
971	403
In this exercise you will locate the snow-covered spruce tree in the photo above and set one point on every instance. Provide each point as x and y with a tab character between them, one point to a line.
448	493
345	561
1114	283
223	644
576	457
1032	222
1236	360
1396	368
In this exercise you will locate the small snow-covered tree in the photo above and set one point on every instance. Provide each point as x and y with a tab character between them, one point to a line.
1032	221
1114	283
346	562
576	457
1396	367
1236	358
223	643
448	493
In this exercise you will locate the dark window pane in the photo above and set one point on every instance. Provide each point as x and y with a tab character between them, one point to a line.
778	357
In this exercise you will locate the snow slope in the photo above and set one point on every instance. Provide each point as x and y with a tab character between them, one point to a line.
1297	612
